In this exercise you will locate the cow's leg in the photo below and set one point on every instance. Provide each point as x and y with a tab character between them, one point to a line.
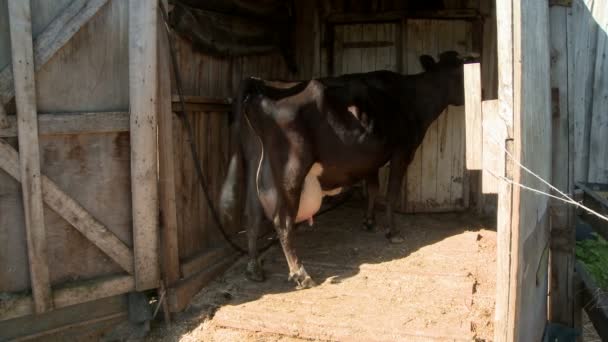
285	229
371	183
398	165
254	213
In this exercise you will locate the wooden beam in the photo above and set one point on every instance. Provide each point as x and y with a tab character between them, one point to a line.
166	155
179	296
204	260
142	92
503	324
25	91
4	123
70	294
202	104
202	99
71	211
561	304
202	107
472	105
54	37
351	18
73	123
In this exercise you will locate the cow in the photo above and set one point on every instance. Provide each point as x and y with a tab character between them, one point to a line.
297	142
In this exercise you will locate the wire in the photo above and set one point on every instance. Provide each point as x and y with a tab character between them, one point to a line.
564	197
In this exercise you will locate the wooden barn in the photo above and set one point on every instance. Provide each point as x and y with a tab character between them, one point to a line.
100	203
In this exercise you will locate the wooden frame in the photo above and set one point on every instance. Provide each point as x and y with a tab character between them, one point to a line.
143	83
25	92
73	123
38	188
70	295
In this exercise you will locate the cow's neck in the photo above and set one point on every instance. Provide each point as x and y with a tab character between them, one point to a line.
436	100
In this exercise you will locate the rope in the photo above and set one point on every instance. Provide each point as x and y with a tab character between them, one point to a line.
184	117
564	197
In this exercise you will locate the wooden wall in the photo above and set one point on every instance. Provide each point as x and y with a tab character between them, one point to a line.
394	44
93	168
579	45
523	216
82	97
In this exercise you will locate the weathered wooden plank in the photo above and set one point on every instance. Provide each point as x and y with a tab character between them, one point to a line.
4	123
64	320
429	146
143	83
559	97
70	294
448	130
472	100
202	99
582	42
489	69
199	262
57	33
73	123
93	289
561	304
180	295
532	147
504	279
337	18
493	157
72	212
25	91
201	107
166	151
414	38
598	141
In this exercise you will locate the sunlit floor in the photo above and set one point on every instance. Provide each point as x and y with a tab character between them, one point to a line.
438	285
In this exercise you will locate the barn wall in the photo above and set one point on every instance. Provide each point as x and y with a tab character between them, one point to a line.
579	37
438	182
448	183
94	169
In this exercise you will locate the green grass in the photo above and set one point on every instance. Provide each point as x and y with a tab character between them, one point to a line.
594	255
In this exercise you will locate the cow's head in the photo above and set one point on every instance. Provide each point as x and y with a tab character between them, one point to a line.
449	70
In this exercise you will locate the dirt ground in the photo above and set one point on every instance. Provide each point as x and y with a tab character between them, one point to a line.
437	286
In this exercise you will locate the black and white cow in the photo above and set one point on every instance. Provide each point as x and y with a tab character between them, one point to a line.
300	141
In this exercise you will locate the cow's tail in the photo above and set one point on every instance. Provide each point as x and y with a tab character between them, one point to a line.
232	195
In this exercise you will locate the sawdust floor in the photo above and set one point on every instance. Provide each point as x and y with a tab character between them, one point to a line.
437	286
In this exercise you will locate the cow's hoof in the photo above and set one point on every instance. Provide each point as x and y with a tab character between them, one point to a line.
254	271
369	225
393	238
307	283
302	279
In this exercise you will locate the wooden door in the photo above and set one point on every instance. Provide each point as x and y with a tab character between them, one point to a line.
436	179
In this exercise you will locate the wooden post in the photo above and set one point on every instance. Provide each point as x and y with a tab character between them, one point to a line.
142	93
166	155
561	303
473	123
27	126
503	324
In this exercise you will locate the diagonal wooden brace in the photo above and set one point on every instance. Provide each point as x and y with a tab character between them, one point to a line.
72	212
54	37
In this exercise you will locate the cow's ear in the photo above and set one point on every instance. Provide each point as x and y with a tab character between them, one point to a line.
428	63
